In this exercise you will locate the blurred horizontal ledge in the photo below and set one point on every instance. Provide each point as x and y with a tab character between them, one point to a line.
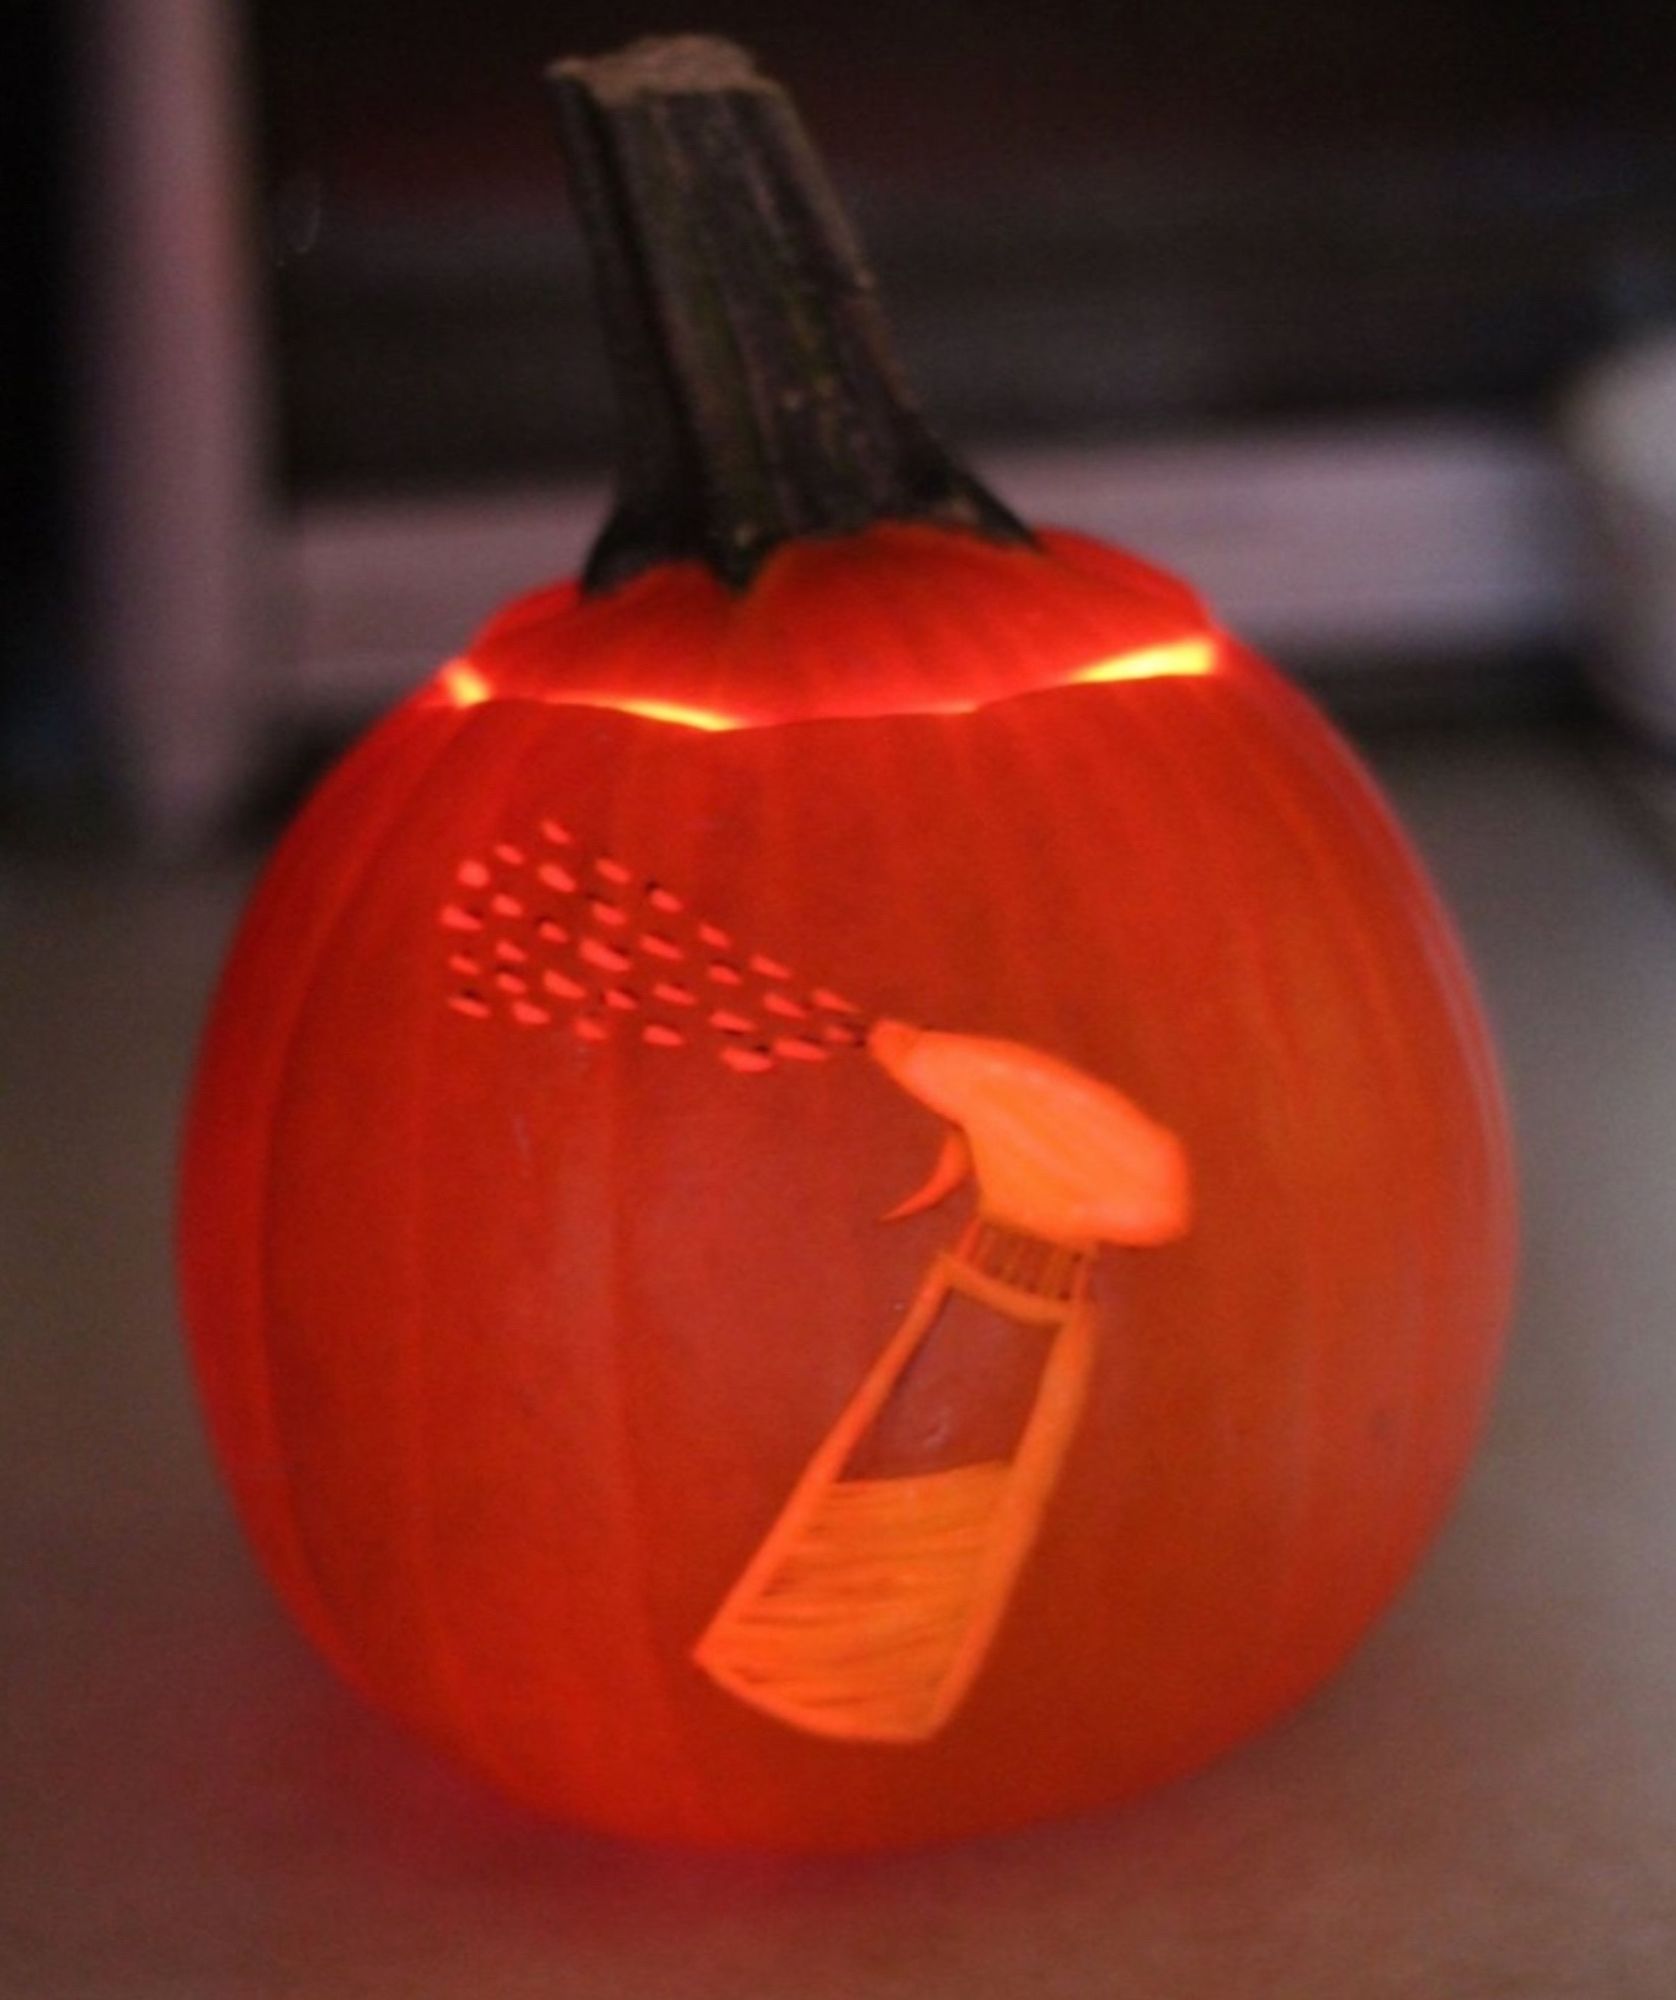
1393	549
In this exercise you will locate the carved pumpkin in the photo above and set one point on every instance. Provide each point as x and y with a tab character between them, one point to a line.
590	1382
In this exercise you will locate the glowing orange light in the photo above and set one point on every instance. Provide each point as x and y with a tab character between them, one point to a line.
1183	657
463	684
660	711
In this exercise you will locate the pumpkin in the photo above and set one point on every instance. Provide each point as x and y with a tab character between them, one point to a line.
592	1383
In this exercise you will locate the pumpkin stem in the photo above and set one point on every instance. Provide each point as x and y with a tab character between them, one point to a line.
759	396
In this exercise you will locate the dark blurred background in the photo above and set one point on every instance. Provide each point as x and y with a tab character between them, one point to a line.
301	371
1092	222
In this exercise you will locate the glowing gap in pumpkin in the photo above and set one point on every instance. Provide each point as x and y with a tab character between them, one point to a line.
681	713
464	685
1183	658
871	1603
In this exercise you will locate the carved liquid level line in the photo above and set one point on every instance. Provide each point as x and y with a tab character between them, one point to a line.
854	1633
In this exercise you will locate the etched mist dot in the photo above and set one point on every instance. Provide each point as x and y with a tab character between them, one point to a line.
747	1061
605	956
798	1048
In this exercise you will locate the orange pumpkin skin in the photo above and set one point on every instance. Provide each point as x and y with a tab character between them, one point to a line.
512	1345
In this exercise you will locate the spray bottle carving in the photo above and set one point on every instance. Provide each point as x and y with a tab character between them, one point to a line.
871	1603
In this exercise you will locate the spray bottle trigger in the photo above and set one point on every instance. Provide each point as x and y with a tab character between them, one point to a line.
954	1163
